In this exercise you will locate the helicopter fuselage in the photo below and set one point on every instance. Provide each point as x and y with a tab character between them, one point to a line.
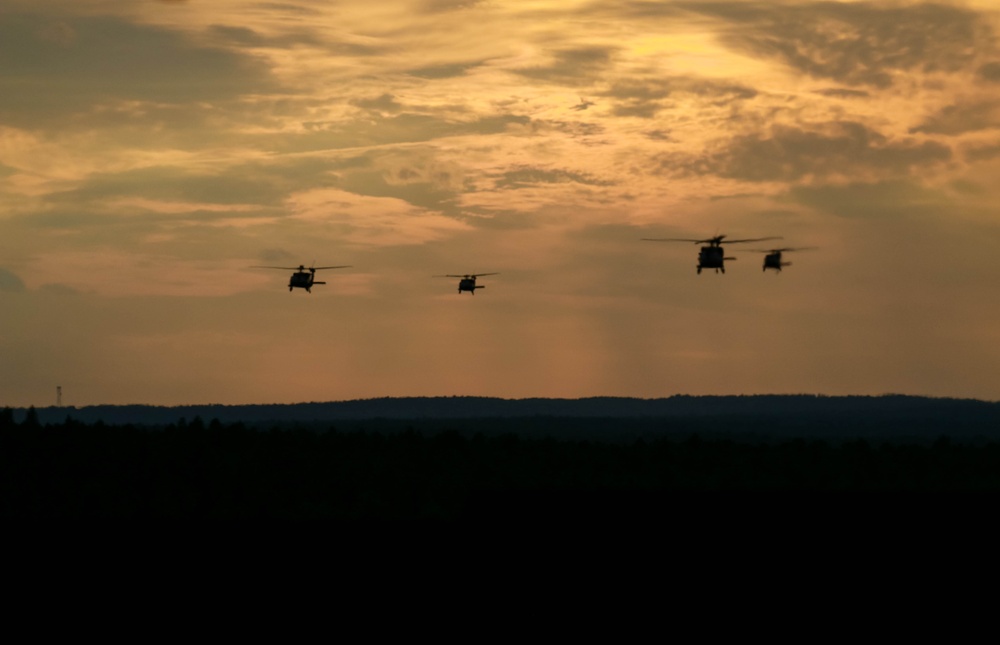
712	257
303	280
469	284
773	261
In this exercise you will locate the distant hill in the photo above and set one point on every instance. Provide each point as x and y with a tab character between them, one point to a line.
784	415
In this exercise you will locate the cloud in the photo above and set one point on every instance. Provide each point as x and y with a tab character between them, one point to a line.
842	93
960	118
791	153
243	185
990	72
367	220
53	71
528	176
438	6
861	43
275	255
659	135
58	289
244	36
645	97
378	129
9	281
59	33
241	36
415	177
904	200
659	88
288	8
579	130
386	103
577	66
983	153
444	70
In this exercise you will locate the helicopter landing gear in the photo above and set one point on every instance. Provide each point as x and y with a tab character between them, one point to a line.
699	270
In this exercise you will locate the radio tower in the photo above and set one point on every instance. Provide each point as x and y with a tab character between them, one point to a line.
59	396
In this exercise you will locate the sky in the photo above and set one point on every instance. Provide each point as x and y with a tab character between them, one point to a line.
153	151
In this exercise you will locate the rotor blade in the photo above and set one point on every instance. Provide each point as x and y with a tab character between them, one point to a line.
342	266
448	275
476	275
753	239
796	248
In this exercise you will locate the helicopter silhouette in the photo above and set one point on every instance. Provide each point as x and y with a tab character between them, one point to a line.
303	278
467	282
773	258
711	256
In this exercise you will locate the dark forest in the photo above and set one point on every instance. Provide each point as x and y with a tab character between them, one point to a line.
489	468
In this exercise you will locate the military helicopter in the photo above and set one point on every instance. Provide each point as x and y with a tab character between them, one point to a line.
303	278
773	258
467	282
711	256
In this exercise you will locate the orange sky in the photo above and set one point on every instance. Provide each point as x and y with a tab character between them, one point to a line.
151	152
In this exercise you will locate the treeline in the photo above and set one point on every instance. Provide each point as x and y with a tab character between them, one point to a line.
889	411
215	470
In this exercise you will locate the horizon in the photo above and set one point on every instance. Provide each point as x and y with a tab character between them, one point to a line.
885	395
153	154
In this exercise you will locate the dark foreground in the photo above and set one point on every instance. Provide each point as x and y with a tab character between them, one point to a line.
216	470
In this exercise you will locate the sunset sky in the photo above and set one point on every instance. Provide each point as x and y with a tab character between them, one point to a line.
152	151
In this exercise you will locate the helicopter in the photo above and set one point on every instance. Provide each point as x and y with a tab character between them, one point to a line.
303	278
467	282
773	258
711	256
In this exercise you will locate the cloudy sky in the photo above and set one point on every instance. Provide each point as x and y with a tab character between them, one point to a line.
152	151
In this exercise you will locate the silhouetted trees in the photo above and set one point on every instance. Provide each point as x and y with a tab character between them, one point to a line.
788	416
191	469
31	419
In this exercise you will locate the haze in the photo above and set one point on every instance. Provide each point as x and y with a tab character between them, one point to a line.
151	152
